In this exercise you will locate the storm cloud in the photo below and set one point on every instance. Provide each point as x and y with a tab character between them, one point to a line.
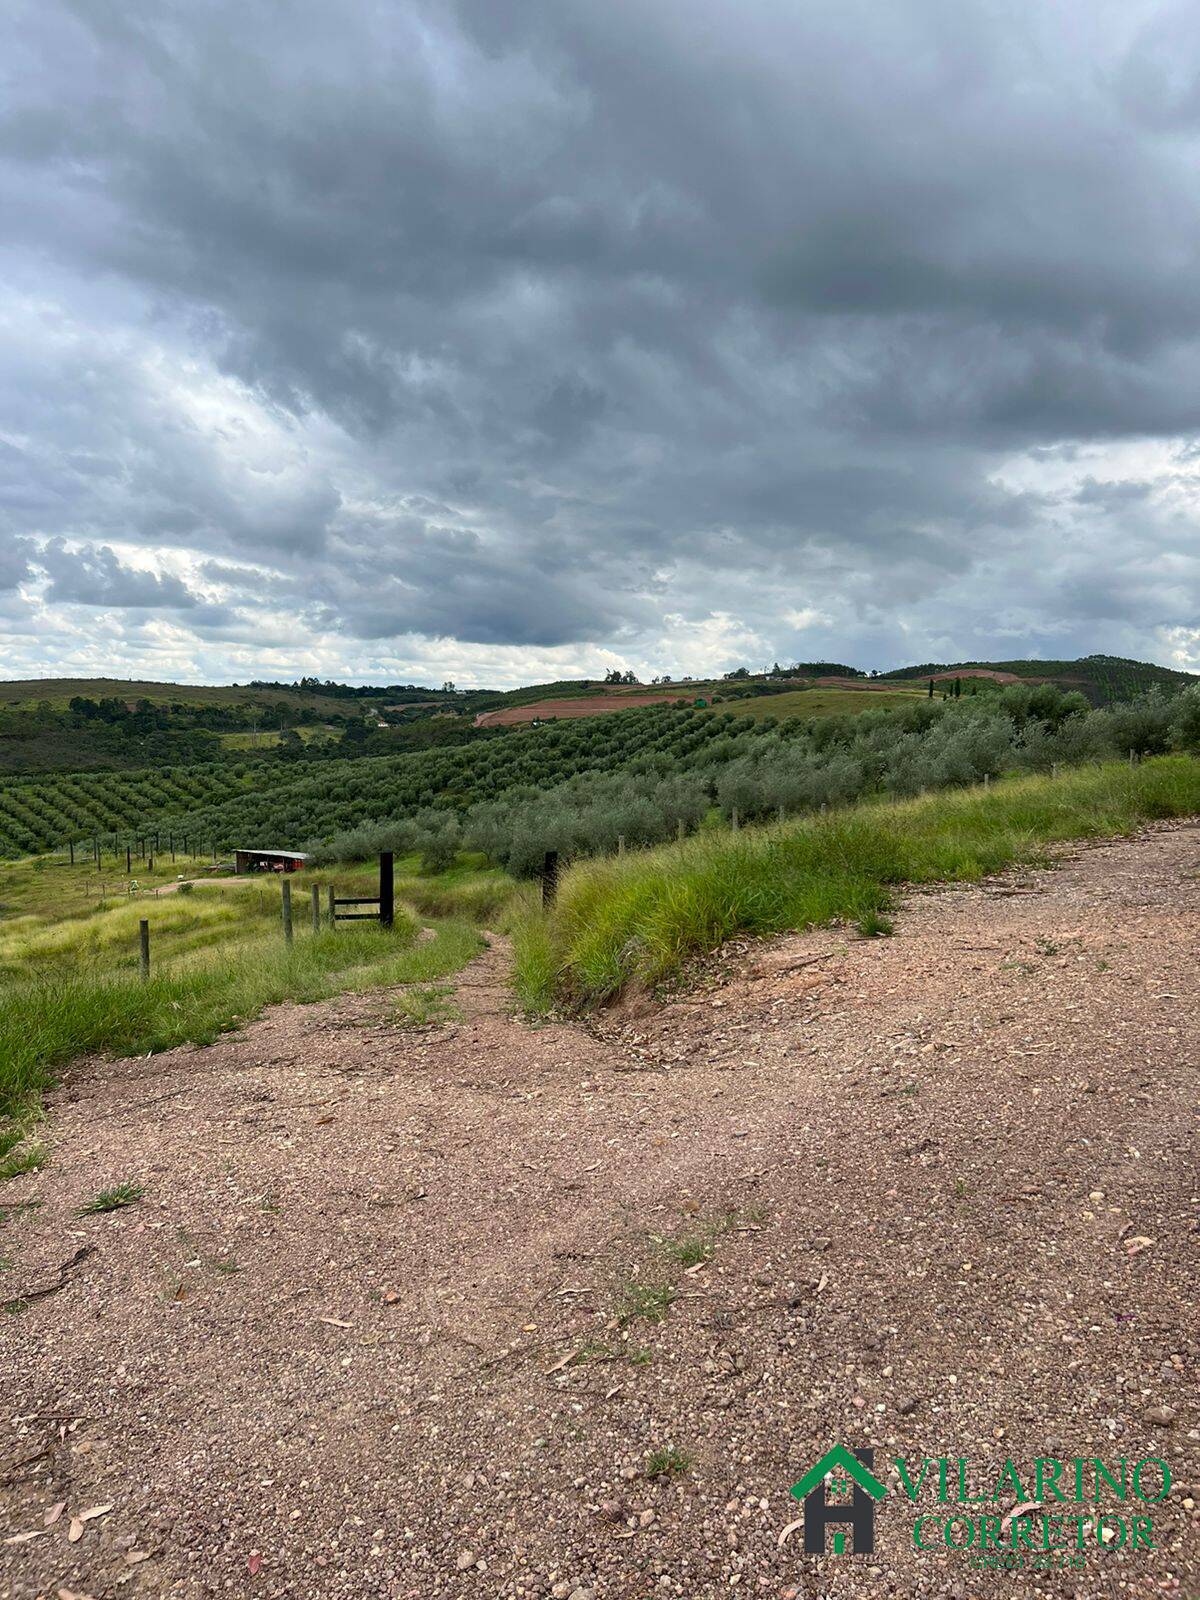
498	340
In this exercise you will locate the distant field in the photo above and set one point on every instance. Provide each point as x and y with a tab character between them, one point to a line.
267	738
821	702
249	802
41	889
59	691
592	705
823	699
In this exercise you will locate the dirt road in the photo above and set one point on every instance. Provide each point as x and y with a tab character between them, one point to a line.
395	1316
173	888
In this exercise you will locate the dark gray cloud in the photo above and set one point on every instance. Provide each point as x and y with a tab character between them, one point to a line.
94	576
695	332
14	564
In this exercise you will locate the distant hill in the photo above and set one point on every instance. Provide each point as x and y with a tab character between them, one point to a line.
1104	679
186	768
59	691
89	724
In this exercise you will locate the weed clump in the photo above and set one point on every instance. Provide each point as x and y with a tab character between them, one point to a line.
114	1199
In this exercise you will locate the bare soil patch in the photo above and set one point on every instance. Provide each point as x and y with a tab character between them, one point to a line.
983	672
585	706
381	1323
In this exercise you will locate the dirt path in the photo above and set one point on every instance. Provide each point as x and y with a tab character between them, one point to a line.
173	888
909	1183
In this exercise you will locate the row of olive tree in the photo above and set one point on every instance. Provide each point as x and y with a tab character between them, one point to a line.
739	766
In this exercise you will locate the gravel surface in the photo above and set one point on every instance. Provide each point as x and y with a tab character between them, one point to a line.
384	1321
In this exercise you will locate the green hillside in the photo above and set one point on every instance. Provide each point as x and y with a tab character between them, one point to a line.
1104	679
675	763
364	769
58	692
820	702
278	803
44	813
82	725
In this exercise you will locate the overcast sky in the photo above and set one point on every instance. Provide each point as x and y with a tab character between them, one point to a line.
504	340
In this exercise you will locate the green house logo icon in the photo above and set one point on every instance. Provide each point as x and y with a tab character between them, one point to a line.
840	1469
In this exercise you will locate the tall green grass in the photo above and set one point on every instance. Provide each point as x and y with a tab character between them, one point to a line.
470	893
642	915
181	926
48	1019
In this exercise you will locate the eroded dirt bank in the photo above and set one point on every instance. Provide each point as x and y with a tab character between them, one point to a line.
382	1324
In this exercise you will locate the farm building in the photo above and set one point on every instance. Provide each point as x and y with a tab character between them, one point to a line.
268	860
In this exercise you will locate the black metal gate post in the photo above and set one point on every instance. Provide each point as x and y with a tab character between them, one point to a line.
549	877
387	901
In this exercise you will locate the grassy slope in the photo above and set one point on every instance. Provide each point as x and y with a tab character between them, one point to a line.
58	691
69	982
820	702
46	905
46	887
640	917
266	738
47	1021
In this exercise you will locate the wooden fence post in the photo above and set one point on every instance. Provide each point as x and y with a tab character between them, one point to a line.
387	894
286	887
549	877
144	948
733	819
71	848
332	908
680	830
128	862
620	844
316	907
